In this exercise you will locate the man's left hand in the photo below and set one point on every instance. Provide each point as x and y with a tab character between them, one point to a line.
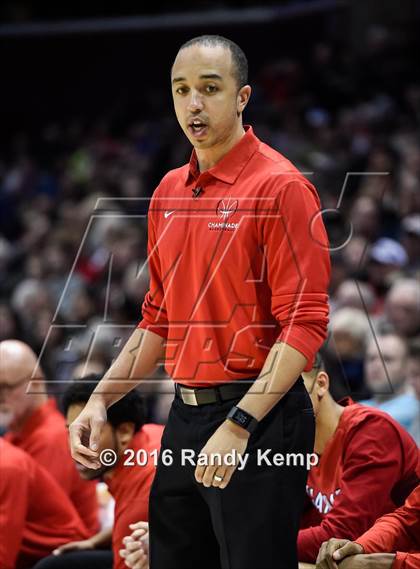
136	547
333	550
227	438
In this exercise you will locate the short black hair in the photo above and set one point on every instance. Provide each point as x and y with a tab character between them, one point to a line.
129	409
319	364
239	60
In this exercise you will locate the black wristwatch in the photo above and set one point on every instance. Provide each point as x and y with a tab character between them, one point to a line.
243	419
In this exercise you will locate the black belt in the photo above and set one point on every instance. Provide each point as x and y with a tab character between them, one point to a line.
206	395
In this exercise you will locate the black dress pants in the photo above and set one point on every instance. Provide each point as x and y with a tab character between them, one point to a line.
253	522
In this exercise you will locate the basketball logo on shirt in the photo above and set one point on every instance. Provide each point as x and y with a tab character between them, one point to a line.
226	208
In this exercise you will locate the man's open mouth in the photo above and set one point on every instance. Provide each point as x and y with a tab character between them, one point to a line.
197	127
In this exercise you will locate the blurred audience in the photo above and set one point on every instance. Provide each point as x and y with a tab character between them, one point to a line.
386	374
355	294
74	196
349	333
402	309
413	381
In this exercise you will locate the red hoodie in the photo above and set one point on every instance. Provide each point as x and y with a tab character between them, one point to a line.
398	532
238	268
367	469
44	436
36	516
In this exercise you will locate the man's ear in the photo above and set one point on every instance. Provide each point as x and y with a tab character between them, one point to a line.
244	94
323	384
124	433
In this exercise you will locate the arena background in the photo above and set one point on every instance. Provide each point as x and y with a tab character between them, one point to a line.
87	116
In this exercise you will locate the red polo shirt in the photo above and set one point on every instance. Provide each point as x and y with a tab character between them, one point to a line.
238	268
36	516
398	532
368	467
130	487
44	436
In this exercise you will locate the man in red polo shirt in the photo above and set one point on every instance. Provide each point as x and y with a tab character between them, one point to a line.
36	516
237	308
132	450
368	465
36	426
392	543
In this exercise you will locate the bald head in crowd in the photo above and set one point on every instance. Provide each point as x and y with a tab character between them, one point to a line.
18	366
403	307
386	365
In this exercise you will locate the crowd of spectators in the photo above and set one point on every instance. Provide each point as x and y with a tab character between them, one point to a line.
73	234
74	198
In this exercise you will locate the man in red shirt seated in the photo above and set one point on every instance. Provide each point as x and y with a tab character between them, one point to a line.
35	425
36	516
131	448
393	542
368	466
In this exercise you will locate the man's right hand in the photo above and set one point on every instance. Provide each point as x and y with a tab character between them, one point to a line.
85	432
334	550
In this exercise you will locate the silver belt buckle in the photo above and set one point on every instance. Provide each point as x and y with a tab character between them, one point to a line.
188	396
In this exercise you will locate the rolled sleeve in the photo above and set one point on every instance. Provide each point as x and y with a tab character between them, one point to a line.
155	317
298	267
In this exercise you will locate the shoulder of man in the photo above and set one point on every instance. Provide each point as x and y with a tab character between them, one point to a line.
362	420
13	459
279	175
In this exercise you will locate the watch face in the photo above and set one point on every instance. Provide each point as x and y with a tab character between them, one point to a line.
241	418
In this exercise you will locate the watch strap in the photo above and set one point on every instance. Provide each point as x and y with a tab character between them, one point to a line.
243	419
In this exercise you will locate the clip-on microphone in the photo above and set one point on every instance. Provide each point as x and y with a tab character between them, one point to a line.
196	192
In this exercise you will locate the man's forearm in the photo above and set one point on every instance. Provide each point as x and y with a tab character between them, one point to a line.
381	560
373	561
282	367
102	539
139	357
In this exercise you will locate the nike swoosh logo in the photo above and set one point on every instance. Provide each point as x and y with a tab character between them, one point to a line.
168	213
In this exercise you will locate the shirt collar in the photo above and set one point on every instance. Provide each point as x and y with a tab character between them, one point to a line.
231	165
346	401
